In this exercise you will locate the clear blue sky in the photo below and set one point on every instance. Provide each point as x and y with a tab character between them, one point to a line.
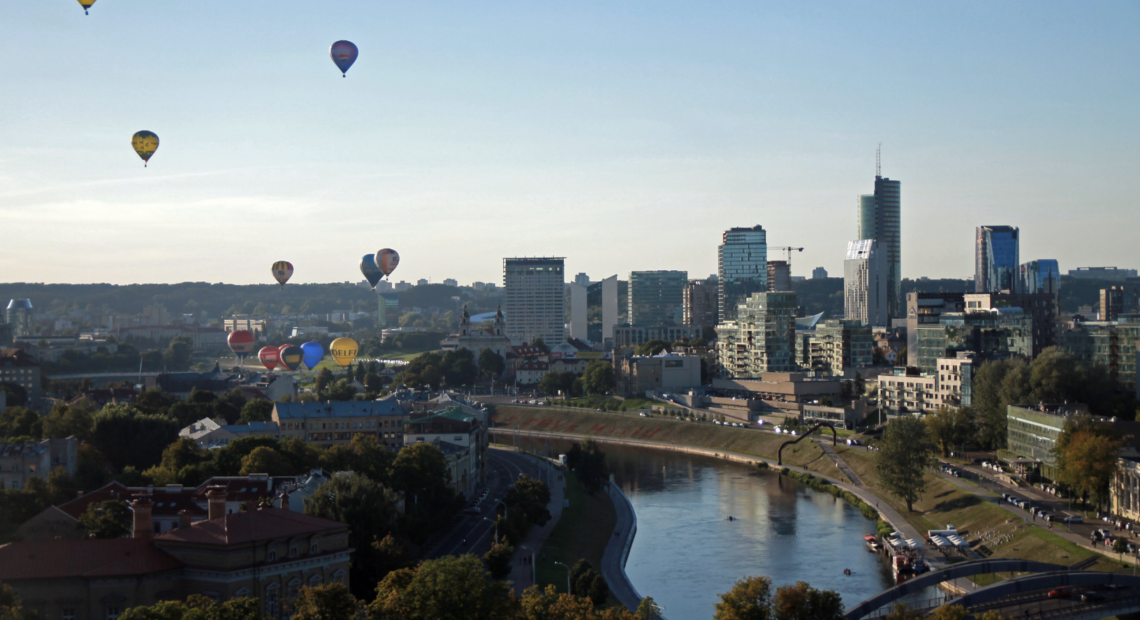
624	136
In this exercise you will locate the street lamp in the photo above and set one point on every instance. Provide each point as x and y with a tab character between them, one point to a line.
567	576
533	569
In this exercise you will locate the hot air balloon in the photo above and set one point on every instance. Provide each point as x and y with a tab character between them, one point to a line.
268	357
241	343
343	350
387	260
86	4
314	353
145	143
343	53
282	271
371	272
290	356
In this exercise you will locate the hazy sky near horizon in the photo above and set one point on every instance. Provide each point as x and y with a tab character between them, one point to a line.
623	136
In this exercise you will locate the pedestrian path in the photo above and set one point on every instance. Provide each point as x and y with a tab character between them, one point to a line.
522	563
840	463
617	550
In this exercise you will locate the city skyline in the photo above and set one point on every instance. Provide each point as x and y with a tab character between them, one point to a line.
465	128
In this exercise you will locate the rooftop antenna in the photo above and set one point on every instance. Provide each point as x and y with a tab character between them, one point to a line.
878	161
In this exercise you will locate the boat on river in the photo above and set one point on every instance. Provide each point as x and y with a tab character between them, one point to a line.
872	543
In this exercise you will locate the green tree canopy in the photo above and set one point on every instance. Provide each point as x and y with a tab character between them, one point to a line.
107	519
449	588
749	599
370	511
491	364
599	377
149	435
903	457
330	601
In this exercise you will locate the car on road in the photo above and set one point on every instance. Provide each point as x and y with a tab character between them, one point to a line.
1091	597
1073	519
1062	592
471	510
1044	515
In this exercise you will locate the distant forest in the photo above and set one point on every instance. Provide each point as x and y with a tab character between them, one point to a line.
206	300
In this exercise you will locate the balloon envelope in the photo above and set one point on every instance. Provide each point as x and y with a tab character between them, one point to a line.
343	350
387	260
371	272
268	357
314	353
282	271
241	342
145	144
290	356
86	4
343	53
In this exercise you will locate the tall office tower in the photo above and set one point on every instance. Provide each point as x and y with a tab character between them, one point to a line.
1111	303
19	317
818	272
656	297
742	268
582	279
1041	276
700	303
996	264
579	311
880	218
536	299
609	307
865	283
762	337
779	276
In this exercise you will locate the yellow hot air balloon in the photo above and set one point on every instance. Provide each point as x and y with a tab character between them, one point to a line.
86	4
343	350
145	144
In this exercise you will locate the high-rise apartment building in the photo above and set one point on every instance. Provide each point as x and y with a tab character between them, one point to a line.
700	303
579	311
609	288
1111	303
779	276
535	299
742	268
19	316
656	297
996	263
865	283
582	280
762	338
818	273
880	217
839	344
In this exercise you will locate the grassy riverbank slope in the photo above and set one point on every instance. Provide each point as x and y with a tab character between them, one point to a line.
665	431
583	532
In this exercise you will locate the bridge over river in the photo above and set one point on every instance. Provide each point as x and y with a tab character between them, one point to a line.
1027	596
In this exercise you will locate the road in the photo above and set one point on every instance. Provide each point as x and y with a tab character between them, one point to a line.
474	533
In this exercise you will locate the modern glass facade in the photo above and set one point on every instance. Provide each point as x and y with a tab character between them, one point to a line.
994	334
865	283
880	218
841	344
996	260
1112	344
535	299
742	268
761	339
1041	276
657	297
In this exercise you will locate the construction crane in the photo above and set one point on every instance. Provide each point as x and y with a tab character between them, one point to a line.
789	250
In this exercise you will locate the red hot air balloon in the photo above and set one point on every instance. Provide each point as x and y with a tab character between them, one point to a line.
290	356
268	357
241	342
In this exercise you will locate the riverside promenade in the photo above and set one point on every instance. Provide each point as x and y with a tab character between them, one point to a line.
617	551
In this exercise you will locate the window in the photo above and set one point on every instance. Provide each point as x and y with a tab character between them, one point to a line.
68	613
271	601
272	556
113	612
314	548
292	552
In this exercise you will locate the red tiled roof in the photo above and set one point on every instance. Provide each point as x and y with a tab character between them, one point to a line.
60	559
166	502
240	489
244	527
112	490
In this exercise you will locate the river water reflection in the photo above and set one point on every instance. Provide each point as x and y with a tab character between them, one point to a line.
686	551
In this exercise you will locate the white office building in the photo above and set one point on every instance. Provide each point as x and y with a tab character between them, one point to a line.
535	299
866	283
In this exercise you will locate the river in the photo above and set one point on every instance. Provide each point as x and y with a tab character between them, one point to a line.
687	552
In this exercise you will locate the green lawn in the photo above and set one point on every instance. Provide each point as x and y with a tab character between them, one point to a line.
583	531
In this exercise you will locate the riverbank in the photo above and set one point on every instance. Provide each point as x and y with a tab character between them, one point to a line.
586	526
617	551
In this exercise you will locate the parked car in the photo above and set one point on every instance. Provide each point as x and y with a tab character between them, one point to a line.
472	510
1073	519
1062	592
1091	597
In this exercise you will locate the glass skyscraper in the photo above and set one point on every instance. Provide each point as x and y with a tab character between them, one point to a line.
742	268
880	219
657	297
865	284
996	260
1041	276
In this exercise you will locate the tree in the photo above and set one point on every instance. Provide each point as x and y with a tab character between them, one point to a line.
587	581
256	410
422	473
373	382
107	519
588	462
459	368
491	364
749	599
948	428
541	345
653	347
265	460
803	602
340	390
11	608
647	610
197	607
177	355
392	554
370	511
1120	546
498	560
69	421
149	435
330	601
325	378
1086	454
859	386
529	499
903	457
550	604
15	394
446	588
599	377
901	611
20	422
